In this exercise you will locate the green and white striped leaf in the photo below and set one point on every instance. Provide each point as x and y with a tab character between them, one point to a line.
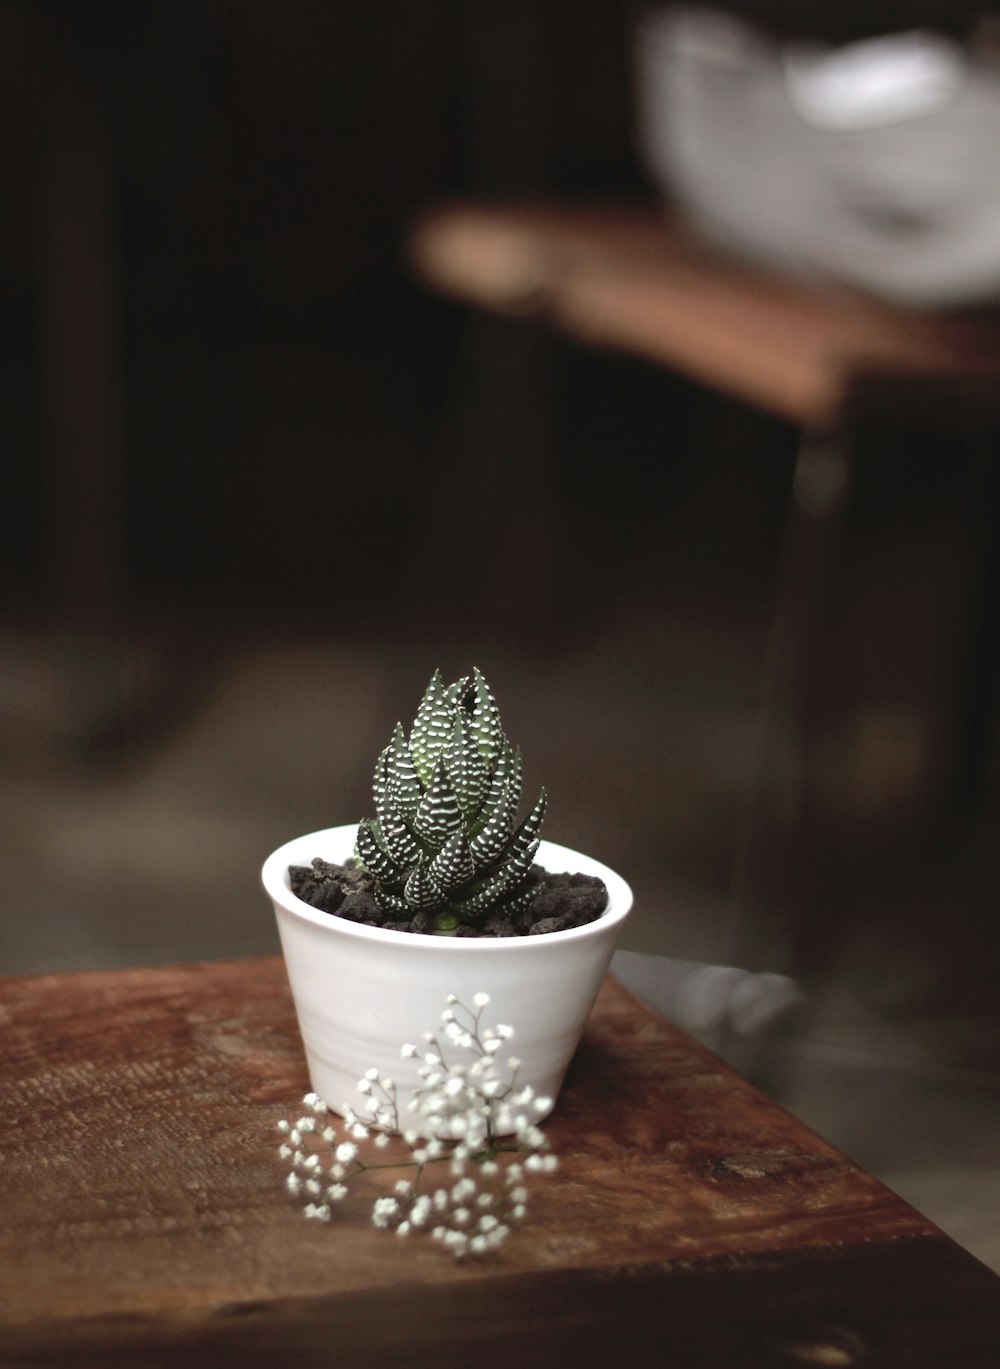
489	844
519	902
486	725
468	771
421	890
431	728
402	784
456	693
397	838
438	815
380	778
453	865
520	864
485	895
526	834
502	771
393	904
371	852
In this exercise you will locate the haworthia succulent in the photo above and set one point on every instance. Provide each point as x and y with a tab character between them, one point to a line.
445	837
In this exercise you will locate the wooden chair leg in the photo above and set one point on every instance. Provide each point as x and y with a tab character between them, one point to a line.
776	873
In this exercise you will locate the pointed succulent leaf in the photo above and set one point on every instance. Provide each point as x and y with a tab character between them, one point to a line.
520	864
527	833
438	815
486	725
421	889
431	728
516	867
455	693
402	784
498	886
488	845
393	904
467	770
370	851
380	778
484	896
401	844
520	901
397	837
509	771
502	770
513	903
516	776
453	865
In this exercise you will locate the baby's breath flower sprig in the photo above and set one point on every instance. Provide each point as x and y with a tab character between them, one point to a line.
473	1119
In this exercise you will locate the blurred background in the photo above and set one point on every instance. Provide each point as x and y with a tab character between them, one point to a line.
239	437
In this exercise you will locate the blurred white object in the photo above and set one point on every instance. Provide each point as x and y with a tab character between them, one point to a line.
879	81
875	163
738	1014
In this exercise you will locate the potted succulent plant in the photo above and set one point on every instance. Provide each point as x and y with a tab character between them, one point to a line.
443	892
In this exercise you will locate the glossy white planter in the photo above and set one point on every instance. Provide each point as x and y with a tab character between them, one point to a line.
361	992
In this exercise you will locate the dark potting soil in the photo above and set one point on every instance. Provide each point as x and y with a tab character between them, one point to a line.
562	901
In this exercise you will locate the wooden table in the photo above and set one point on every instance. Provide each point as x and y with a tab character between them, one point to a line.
693	1222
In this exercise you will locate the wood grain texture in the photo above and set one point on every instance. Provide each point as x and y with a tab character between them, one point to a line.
632	280
144	1219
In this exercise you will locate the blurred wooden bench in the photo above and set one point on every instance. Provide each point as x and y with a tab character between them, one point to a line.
632	280
144	1219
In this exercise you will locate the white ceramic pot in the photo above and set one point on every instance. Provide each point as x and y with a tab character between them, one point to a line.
361	992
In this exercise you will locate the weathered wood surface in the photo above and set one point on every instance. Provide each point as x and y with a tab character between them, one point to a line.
629	279
693	1222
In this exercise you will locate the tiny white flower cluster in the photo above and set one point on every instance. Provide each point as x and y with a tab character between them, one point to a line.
473	1116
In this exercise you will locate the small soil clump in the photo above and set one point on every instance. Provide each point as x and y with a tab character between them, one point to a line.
562	901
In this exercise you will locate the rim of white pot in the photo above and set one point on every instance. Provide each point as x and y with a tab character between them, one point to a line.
551	856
